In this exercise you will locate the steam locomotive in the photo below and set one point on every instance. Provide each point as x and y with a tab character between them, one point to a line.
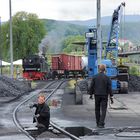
35	67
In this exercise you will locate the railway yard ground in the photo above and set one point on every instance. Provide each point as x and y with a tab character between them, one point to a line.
122	121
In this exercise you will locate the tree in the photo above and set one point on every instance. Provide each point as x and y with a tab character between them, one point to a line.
28	32
134	70
68	45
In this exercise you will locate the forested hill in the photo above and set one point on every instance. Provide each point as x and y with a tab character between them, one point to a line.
63	27
106	20
131	29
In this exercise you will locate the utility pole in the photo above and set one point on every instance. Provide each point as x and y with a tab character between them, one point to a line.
11	40
0	49
99	40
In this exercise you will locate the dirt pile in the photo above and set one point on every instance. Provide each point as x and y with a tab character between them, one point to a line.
11	87
134	83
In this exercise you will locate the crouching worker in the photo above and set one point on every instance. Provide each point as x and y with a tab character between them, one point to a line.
42	114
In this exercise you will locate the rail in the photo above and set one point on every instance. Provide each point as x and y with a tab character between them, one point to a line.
19	126
15	115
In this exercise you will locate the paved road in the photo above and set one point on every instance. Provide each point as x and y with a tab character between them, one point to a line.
8	130
123	113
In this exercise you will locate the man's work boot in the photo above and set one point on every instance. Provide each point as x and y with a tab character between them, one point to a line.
101	126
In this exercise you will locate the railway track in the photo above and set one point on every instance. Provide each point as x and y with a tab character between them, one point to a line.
24	104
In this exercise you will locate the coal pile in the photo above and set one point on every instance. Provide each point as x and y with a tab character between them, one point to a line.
134	83
83	85
13	88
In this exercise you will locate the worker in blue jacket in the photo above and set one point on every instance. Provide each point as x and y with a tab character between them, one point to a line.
101	88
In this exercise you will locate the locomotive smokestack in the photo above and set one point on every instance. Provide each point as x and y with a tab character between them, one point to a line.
44	50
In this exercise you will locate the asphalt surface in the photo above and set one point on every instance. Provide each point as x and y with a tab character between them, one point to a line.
123	114
8	130
117	116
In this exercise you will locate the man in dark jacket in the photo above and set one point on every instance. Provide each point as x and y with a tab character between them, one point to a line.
101	88
42	114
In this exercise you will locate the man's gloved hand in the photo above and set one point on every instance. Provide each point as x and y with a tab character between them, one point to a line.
31	106
91	97
37	115
111	99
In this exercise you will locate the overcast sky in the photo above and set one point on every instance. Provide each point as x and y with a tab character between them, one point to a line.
66	9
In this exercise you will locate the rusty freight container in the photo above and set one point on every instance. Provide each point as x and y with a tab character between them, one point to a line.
71	62
64	63
78	61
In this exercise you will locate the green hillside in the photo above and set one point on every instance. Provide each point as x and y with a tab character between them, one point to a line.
64	27
131	30
58	32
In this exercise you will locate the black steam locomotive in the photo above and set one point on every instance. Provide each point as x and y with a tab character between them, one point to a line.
35	67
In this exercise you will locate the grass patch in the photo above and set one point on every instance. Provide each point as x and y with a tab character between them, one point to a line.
71	84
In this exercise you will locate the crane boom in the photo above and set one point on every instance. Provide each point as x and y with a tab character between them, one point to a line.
112	43
118	74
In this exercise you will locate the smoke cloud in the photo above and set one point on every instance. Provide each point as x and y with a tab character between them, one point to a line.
52	42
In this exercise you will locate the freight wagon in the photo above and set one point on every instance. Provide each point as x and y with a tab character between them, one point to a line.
64	65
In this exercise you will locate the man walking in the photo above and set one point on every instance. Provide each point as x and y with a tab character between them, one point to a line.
101	88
